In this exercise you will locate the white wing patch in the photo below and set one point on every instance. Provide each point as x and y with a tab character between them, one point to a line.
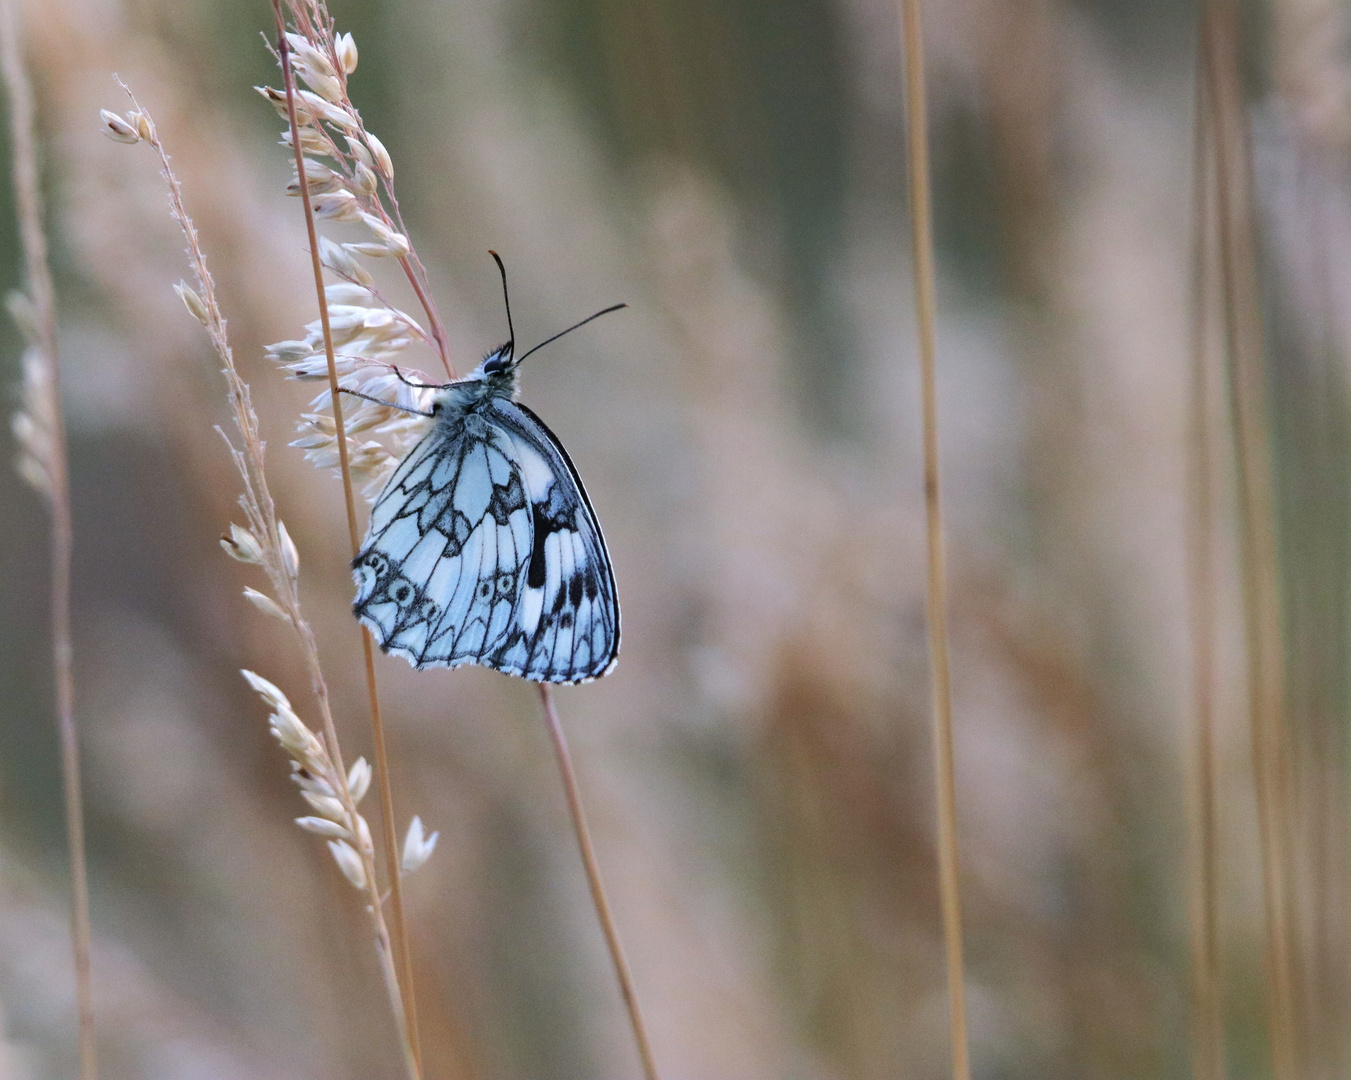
483	549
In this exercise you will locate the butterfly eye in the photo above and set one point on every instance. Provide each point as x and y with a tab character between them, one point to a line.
498	362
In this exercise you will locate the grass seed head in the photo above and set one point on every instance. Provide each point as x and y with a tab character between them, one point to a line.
323	827
118	129
381	156
359	779
349	862
417	847
266	604
194	303
347	53
290	557
325	805
242	545
337	206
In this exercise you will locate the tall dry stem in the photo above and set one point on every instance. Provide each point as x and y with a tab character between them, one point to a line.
391	842
46	453
592	868
925	304
1202	813
1244	348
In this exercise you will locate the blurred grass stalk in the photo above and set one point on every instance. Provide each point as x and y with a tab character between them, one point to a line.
944	771
1259	561
1312	410
593	880
52	476
388	828
1207	1025
275	553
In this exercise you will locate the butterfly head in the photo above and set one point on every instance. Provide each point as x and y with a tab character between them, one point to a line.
500	363
495	377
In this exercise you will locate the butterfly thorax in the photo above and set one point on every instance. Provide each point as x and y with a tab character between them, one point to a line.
494	378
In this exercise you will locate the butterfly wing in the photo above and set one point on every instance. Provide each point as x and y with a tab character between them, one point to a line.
483	549
569	607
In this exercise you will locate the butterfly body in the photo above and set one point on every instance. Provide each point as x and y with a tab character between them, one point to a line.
483	547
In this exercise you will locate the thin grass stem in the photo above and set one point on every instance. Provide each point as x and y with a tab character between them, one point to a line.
388	828
433	316
921	220
1220	36
28	204
589	863
1202	812
264	524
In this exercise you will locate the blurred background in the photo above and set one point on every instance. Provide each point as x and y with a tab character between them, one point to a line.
758	767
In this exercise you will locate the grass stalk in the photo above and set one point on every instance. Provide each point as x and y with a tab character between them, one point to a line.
589	863
1260	566
1202	812
266	526
42	295
388	828
921	220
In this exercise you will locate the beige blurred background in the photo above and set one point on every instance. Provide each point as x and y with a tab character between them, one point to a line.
758	767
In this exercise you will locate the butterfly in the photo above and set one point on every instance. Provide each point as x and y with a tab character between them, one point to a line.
483	547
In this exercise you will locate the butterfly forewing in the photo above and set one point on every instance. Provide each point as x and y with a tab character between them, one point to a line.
483	548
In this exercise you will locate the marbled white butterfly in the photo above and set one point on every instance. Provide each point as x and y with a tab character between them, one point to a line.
483	547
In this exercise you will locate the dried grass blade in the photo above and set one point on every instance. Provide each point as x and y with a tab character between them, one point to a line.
1220	36
592	868
925	304
28	202
1202	813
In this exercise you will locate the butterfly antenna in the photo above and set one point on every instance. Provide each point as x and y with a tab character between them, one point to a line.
511	333
386	404
415	385
570	329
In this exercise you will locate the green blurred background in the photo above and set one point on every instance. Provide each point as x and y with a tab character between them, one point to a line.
758	766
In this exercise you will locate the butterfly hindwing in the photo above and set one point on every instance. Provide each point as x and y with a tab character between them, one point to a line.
569	607
483	548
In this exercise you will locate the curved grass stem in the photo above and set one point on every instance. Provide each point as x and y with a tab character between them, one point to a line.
592	868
